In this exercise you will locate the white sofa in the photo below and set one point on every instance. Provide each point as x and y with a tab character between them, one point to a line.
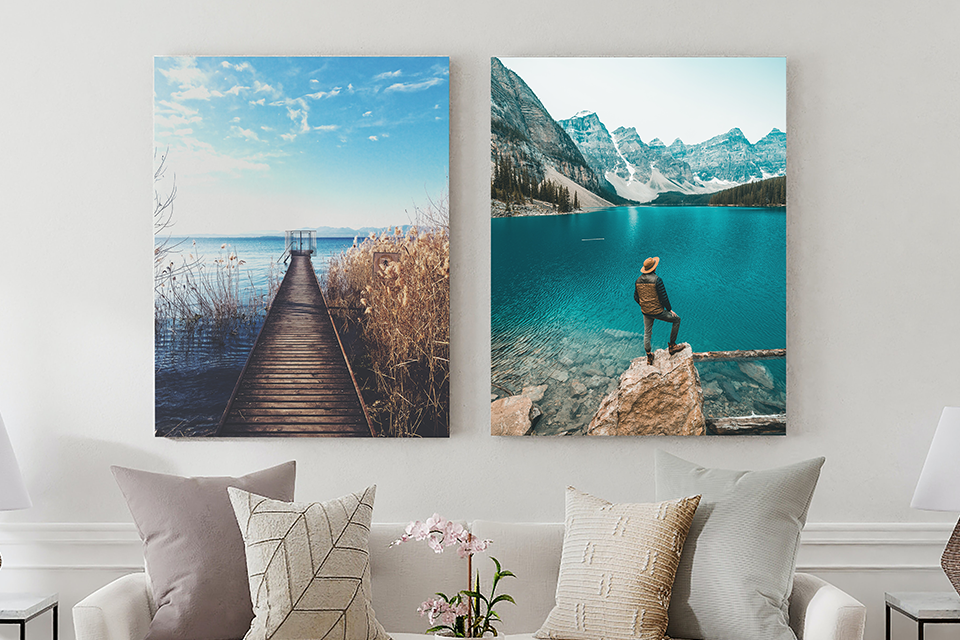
405	575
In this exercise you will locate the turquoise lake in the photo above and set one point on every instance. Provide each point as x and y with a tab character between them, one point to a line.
562	300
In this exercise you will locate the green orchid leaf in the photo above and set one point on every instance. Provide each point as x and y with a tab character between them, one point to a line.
503	597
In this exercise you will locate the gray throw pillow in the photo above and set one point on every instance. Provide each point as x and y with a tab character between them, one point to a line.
736	569
194	550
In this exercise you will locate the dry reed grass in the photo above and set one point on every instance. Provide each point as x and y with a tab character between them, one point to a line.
189	294
403	322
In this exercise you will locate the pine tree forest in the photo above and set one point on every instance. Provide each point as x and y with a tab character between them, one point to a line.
514	185
765	193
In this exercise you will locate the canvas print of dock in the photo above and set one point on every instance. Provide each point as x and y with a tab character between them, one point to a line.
301	246
638	238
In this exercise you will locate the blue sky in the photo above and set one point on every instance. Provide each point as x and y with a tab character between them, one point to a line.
273	143
692	99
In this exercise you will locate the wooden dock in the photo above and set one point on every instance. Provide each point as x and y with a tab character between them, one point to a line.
297	380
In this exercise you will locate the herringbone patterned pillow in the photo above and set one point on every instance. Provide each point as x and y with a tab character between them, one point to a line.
309	567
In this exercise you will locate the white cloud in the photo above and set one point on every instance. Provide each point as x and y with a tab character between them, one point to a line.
266	128
290	102
259	102
236	89
324	94
414	86
374	138
266	155
240	132
259	87
174	107
288	136
384	135
235	119
314	81
368	114
200	161
350	88
326	127
299	114
243	66
197	93
175	120
387	75
183	132
185	74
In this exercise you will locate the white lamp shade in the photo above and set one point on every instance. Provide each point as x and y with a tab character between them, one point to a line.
938	488
13	493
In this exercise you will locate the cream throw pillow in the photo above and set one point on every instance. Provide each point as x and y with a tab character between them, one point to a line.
309	567
617	568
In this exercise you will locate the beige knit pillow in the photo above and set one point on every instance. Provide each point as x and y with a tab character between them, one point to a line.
309	567
617	568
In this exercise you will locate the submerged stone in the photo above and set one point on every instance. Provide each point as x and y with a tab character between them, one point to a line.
534	393
758	373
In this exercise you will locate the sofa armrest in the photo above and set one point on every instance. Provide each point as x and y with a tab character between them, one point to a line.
117	611
821	611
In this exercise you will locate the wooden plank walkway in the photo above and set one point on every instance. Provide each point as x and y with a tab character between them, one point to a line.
296	381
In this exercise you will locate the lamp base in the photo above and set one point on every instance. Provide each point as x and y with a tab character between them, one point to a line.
950	560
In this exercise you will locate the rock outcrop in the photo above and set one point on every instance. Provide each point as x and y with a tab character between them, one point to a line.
513	416
664	398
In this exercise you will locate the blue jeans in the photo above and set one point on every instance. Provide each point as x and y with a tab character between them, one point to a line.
666	316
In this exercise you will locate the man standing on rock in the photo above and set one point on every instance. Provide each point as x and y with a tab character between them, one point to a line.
651	295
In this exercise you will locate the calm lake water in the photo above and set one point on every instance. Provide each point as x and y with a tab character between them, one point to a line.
195	373
562	301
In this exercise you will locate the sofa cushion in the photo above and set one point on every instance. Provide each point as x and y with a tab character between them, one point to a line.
309	566
193	548
617	568
736	571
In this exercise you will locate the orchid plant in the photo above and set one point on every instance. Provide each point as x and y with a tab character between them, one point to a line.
468	613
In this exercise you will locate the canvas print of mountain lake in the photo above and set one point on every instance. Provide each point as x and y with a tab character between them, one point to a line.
638	238
301	246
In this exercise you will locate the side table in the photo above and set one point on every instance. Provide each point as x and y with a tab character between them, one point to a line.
923	607
20	608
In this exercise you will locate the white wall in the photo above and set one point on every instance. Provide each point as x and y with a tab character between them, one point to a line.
872	268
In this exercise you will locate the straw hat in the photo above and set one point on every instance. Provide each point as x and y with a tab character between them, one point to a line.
649	265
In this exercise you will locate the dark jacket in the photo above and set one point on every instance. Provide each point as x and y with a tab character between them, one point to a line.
651	295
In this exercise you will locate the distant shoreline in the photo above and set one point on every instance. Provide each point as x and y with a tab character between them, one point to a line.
538	208
329	233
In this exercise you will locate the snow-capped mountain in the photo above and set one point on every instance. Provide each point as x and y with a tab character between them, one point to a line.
523	130
640	171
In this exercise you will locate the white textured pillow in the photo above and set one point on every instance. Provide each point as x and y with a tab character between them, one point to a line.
617	568
309	567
